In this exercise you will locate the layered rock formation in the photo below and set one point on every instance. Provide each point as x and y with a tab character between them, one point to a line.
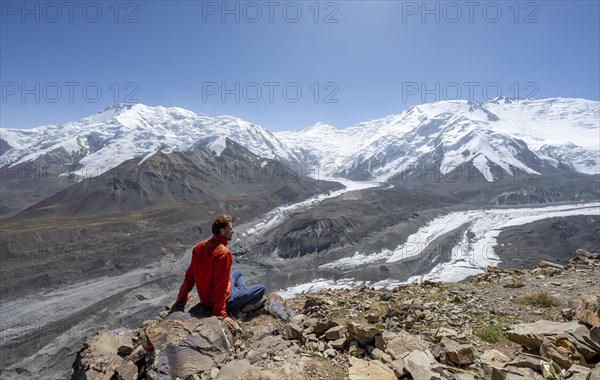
505	324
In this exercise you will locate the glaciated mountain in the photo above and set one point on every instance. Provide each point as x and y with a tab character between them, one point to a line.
496	138
100	142
179	178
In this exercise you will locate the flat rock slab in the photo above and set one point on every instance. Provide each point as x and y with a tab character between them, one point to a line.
185	345
369	370
533	336
398	344
234	369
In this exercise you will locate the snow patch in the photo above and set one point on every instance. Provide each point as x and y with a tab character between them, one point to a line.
321	283
146	157
219	145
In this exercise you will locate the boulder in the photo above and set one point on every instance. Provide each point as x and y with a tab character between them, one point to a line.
335	333
422	365
377	354
520	373
338	344
99	358
531	335
578	372
365	335
184	345
492	362
322	326
559	349
459	354
276	307
398	367
588	311
397	344
295	331
524	360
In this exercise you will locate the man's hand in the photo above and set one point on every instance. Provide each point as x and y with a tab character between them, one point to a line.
177	306
230	323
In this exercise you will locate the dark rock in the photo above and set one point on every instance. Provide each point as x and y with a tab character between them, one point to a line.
365	335
323	326
277	307
335	333
459	354
525	360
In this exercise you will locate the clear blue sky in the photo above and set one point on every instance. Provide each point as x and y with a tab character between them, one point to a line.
360	60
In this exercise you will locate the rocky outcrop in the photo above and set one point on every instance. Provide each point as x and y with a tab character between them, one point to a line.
589	310
418	331
103	358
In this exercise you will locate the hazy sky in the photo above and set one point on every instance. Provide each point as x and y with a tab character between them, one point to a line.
287	65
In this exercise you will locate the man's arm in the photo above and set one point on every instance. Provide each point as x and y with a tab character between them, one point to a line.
222	265
188	283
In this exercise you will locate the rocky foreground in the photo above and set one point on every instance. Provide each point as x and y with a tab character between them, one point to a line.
505	324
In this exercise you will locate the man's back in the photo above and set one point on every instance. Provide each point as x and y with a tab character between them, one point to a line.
209	271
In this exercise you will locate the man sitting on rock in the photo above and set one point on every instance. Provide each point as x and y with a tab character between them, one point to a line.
209	271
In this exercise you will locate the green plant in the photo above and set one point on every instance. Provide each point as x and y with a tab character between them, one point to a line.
541	299
491	334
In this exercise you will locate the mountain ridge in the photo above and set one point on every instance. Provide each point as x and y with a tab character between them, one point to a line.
531	136
163	179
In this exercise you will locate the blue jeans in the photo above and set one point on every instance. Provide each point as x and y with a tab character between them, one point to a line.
242	294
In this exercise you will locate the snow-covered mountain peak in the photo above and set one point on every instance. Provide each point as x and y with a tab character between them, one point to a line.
501	99
124	131
560	132
318	127
118	107
501	132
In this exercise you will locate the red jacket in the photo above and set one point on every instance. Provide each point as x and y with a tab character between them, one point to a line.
209	271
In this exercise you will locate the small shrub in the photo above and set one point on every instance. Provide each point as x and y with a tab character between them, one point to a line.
491	334
541	299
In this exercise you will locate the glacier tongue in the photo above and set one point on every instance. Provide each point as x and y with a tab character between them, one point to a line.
475	251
